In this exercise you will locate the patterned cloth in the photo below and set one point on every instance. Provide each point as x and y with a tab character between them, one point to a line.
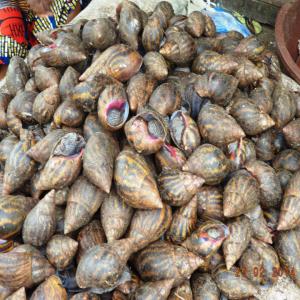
18	25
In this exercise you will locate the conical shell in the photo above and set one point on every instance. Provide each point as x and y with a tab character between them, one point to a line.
99	33
98	160
139	90
210	27
17	75
4	101
6	147
115	216
217	126
270	187
233	284
102	265
60	251
45	104
46	77
290	211
204	287
13	211
148	226
153	33
156	66
40	223
195	24
118	61
237	241
62	170
135	182
92	125
177	188
68	81
265	146
288	159
158	290
131	285
250	47
284	177
207	238
50	289
207	43
209	162
183	222
183	291
89	236
291	134
162	260
241	194
20	294
262	98
34	57
84	199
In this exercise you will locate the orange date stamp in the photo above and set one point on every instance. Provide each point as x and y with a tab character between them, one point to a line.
261	272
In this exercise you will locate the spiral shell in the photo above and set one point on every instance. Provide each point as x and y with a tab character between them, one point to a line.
99	33
34	57
135	182
265	146
291	134
251	47
183	291
46	77
115	216
210	27
84	199
153	33
156	66
204	287
209	162
4	101
262	98
284	177
6	147
148	226
207	43
195	24
162	260
217	126
68	81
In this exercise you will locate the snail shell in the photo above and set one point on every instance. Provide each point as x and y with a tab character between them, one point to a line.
204	287
291	134
20	294
195	24
288	159
46	77
68	81
251	47
183	291
6	147
156	66
153	33
4	101
210	27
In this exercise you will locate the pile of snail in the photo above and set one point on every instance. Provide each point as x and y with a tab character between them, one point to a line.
147	157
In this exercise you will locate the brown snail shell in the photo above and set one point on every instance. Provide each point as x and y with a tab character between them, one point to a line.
19	167
284	177
262	98
177	21
156	66
64	164
4	101
115	216
68	114
204	287
113	108
168	157
288	159
265	145
289	213
183	291
139	90
270	187
271	60
211	61
13	211
146	132
165	8
207	238
183	222
241	194
84	199
177	188
158	290
148	226
165	99
41	151
46	77
250	117
219	87
135	182
60	251
99	33
284	107
207	43
102	265
52	288
45	104
210	27
19	110
209	162
259	226
179	48
195	24
40	222
6	147
184	132
98	160
162	260
34	57
85	296
153	33
217	126
237	241
118	61
20	294
251	47
31	86
131	285
210	203
24	266
68	81
89	236
287	245
17	75
291	134
232	283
